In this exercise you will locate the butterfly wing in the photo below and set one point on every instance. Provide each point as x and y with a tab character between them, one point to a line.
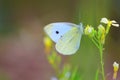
69	43
58	29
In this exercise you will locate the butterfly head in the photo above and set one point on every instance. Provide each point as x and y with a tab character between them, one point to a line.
81	28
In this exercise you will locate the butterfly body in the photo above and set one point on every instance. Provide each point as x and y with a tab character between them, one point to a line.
67	36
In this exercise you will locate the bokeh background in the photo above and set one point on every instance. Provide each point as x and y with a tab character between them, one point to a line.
22	55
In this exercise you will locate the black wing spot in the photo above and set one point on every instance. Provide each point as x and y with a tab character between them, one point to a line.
57	32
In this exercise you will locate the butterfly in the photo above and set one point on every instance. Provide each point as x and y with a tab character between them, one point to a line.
67	36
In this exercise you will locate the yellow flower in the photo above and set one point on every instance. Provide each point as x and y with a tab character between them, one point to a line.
101	29
51	61
48	44
89	30
116	67
109	22
102	38
101	33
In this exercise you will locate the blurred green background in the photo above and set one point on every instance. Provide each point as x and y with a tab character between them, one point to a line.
22	54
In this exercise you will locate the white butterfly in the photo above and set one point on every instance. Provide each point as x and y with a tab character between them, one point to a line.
67	36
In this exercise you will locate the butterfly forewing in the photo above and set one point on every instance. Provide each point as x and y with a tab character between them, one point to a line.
56	30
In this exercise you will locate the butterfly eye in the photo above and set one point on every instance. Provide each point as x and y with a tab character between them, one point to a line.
57	32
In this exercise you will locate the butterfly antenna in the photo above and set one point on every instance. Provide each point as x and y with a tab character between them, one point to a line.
81	27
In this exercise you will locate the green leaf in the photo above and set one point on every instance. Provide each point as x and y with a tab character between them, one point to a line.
75	75
97	75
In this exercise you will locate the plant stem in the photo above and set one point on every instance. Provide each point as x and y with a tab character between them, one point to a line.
101	61
95	43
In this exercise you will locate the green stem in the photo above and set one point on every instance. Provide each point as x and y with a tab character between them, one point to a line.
100	47
101	61
95	43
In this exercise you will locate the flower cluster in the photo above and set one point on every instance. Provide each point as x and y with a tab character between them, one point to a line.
102	31
98	38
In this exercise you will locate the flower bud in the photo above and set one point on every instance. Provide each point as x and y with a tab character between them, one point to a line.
89	31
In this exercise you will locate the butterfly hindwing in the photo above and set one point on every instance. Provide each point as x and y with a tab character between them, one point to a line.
69	43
